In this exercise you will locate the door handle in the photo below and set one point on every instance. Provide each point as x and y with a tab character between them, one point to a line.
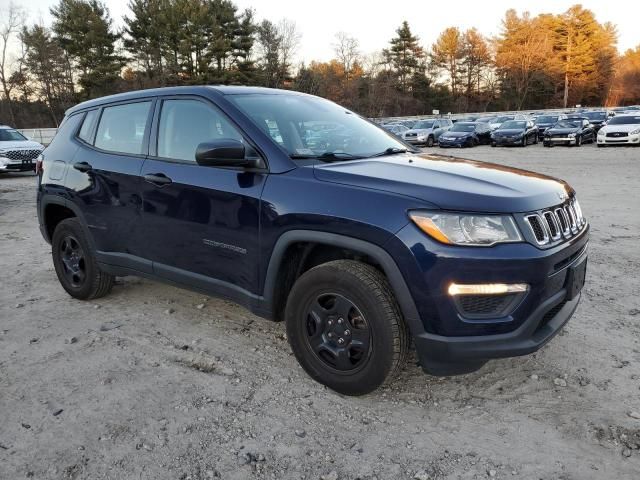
158	179
82	166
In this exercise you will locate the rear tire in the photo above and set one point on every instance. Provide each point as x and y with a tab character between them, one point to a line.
345	328
75	262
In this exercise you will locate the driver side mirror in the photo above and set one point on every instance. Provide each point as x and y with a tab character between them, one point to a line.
226	152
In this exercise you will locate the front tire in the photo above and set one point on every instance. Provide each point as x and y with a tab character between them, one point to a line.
345	328
75	262
578	141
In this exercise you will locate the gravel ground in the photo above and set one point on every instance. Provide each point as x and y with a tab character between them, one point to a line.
153	382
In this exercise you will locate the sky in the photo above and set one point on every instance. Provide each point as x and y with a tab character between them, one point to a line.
374	22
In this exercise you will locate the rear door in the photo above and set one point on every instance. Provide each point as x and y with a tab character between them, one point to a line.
201	222
104	177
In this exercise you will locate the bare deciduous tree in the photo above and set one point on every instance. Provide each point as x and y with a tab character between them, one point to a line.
347	51
11	20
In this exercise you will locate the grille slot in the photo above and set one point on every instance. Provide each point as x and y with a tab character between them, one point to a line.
539	231
552	224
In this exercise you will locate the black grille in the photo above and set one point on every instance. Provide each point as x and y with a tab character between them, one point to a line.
410	134
617	134
22	154
484	304
550	315
537	228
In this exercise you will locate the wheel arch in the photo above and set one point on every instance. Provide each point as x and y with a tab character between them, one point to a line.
380	257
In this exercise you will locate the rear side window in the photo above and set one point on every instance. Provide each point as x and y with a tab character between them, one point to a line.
87	125
184	124
121	128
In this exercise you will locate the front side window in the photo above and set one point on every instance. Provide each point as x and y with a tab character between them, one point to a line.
311	127
121	128
185	124
85	130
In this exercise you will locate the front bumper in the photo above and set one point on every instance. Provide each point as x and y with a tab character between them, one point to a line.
458	142
416	140
17	166
507	140
449	343
560	140
628	140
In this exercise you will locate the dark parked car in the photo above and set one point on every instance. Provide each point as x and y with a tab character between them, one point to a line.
596	119
360	243
466	134
546	121
571	131
515	132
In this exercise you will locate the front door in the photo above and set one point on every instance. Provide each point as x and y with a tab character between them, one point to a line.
201	222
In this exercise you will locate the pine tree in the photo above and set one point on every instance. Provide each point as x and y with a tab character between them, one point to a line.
83	29
405	55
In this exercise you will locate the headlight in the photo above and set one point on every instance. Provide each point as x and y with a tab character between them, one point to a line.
467	229
3	153
635	132
601	132
571	135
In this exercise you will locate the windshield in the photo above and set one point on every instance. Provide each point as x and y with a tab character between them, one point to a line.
423	124
568	124
513	124
625	120
504	119
9	135
547	119
463	127
308	127
486	119
595	115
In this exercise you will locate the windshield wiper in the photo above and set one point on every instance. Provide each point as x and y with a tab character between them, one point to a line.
328	156
390	151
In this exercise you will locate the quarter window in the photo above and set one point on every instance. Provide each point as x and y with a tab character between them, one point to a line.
184	124
121	128
85	130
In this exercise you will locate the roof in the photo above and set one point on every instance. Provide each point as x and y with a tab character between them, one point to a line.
195	89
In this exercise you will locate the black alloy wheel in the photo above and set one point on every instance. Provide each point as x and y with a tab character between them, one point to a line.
74	265
75	262
337	332
345	327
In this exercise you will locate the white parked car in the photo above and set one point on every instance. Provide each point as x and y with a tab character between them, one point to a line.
427	132
17	152
620	130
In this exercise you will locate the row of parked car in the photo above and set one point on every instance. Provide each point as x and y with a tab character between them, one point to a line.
602	127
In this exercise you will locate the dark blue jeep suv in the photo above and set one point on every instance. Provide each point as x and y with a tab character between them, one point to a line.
302	210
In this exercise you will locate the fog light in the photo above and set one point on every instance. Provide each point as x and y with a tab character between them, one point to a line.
487	288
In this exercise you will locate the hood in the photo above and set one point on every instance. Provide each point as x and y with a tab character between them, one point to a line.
450	183
20	145
630	127
559	130
509	131
451	134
